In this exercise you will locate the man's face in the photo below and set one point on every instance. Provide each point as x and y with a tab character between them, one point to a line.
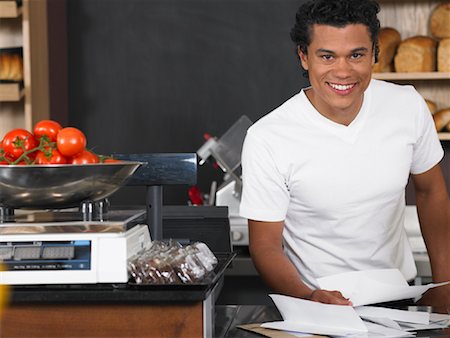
339	64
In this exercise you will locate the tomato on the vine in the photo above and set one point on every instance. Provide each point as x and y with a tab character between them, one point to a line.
53	157
111	160
85	157
48	128
70	141
17	141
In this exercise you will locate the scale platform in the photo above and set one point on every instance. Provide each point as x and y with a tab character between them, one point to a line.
67	247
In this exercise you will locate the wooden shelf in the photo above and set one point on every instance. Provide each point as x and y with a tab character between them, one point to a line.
11	92
444	136
9	9
412	76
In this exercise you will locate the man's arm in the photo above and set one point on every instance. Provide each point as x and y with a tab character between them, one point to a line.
266	249
433	207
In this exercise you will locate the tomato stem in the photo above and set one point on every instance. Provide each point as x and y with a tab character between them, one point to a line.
44	145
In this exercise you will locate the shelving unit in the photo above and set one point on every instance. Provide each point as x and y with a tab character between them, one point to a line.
10	9
410	18
23	24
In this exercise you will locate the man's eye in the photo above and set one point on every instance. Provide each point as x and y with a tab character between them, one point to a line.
356	55
327	57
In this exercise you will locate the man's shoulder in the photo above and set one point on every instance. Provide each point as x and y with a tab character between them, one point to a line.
278	117
391	89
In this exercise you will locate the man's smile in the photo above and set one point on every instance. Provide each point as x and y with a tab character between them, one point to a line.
341	87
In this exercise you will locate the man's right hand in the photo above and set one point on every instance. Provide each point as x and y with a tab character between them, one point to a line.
329	297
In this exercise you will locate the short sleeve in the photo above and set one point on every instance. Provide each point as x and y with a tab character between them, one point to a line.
265	196
427	151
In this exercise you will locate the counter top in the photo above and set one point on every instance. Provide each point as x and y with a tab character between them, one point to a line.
228	317
123	293
110	293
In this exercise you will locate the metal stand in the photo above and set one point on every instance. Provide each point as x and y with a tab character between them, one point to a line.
154	211
156	171
5	213
94	209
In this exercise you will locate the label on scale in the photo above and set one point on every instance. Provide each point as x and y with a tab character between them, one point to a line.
46	255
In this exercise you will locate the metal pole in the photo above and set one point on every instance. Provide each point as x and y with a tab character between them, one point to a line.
154	211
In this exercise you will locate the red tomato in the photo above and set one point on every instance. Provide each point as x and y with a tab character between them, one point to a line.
14	139
111	160
70	141
55	158
85	157
49	128
4	158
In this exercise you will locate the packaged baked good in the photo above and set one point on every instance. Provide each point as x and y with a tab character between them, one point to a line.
443	55
440	21
441	119
172	263
416	54
388	40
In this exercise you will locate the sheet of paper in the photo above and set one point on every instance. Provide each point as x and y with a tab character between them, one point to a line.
418	317
387	322
376	330
306	316
373	286
438	317
419	327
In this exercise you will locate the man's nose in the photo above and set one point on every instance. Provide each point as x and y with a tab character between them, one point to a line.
343	68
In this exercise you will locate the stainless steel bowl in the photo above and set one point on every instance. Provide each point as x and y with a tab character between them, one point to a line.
61	186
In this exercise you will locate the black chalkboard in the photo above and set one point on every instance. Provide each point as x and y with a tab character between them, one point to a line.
154	75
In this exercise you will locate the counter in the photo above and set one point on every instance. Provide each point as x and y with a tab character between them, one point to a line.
229	317
114	310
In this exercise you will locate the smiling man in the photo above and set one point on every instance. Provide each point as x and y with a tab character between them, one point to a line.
324	174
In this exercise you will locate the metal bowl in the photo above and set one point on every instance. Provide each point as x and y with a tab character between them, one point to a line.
61	186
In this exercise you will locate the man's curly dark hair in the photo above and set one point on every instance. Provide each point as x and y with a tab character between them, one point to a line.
336	13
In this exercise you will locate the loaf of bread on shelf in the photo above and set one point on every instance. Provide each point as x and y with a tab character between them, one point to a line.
432	106
416	54
441	118
443	58
388	41
440	20
11	67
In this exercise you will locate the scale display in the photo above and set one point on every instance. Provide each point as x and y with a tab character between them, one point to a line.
46	255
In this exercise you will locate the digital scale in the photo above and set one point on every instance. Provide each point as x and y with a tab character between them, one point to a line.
70	247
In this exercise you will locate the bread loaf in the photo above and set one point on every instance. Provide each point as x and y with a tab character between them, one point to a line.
432	107
440	21
442	118
443	58
11	67
416	54
388	41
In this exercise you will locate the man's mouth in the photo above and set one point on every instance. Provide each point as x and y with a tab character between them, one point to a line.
341	87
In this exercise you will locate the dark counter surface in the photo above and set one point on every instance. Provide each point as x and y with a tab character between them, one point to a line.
123	293
109	293
228	317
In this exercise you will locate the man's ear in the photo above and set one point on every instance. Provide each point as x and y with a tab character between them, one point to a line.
303	58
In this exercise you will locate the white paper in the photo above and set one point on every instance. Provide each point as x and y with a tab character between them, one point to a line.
387	322
418	317
376	330
438	317
373	286
306	316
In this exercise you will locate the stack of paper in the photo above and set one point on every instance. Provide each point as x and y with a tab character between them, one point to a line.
362	288
373	286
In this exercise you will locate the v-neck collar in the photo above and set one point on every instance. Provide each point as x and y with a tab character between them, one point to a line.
348	133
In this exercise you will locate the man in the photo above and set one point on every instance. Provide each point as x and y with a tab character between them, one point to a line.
324	174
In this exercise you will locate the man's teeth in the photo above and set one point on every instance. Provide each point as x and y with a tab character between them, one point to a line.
341	87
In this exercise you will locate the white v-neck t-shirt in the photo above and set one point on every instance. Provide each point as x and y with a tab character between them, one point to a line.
340	190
